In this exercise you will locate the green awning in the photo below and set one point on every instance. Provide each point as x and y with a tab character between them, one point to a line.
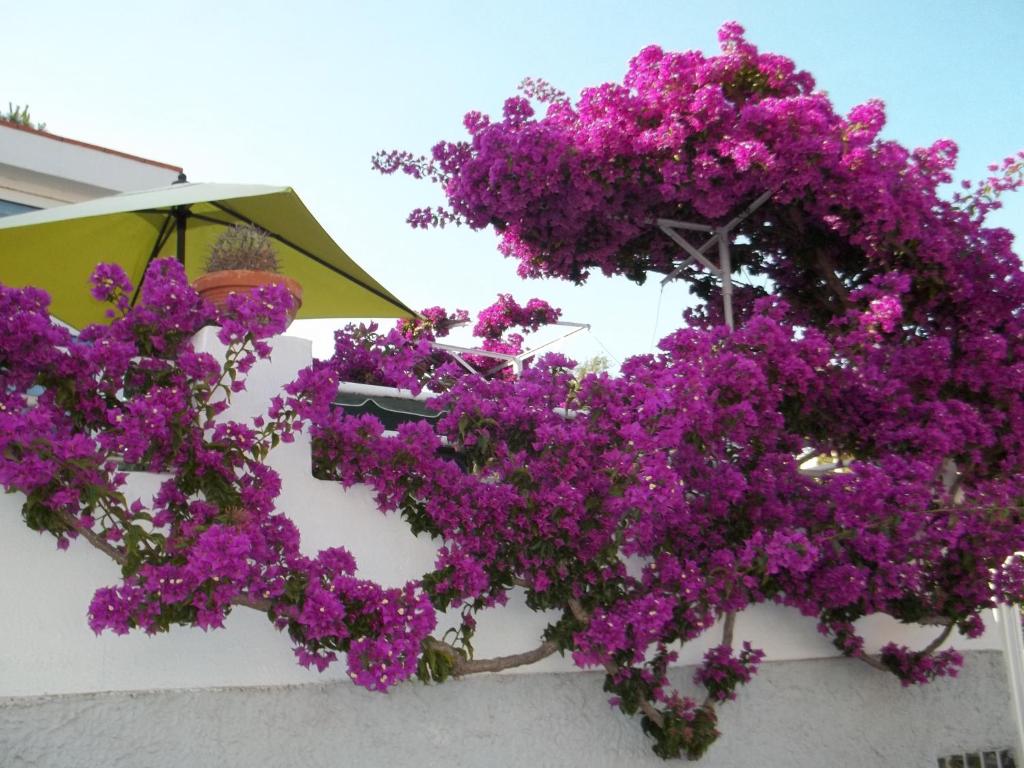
391	411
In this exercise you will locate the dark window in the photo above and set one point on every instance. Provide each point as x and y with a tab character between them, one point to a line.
7	208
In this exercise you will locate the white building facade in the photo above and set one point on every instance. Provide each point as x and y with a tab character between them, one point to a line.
41	170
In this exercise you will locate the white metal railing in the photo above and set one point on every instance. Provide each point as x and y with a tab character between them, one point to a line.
982	758
515	361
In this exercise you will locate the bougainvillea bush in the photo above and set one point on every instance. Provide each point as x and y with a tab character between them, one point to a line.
853	446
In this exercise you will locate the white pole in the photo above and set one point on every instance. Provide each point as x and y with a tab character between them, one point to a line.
1008	617
725	270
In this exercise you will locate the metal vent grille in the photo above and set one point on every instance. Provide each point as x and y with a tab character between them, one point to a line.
988	758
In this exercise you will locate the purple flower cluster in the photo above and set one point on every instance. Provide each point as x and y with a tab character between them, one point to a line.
917	668
405	357
506	313
722	671
75	411
686	463
110	284
880	336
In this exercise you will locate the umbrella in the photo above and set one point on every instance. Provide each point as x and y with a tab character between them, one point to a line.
57	248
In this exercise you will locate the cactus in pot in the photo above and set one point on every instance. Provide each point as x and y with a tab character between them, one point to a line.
243	258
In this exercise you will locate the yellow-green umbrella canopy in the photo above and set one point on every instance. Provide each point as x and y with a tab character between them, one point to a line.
56	249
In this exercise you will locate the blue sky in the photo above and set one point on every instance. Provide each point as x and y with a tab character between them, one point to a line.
303	94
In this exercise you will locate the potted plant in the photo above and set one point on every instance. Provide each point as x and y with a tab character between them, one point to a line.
241	259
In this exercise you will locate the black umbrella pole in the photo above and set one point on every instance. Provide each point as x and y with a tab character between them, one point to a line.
181	216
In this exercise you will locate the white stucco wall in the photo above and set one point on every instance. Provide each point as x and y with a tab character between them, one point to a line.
47	650
810	714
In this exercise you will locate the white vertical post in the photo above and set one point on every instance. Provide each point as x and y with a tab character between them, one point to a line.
1008	617
725	269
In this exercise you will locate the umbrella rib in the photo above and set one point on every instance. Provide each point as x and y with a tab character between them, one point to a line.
317	259
210	219
158	211
161	238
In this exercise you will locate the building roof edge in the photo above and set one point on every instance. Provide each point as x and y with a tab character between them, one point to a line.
86	145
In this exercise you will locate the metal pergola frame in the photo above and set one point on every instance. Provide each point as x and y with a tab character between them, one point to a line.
516	361
720	236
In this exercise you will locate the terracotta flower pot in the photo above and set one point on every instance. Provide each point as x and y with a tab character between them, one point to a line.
215	287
